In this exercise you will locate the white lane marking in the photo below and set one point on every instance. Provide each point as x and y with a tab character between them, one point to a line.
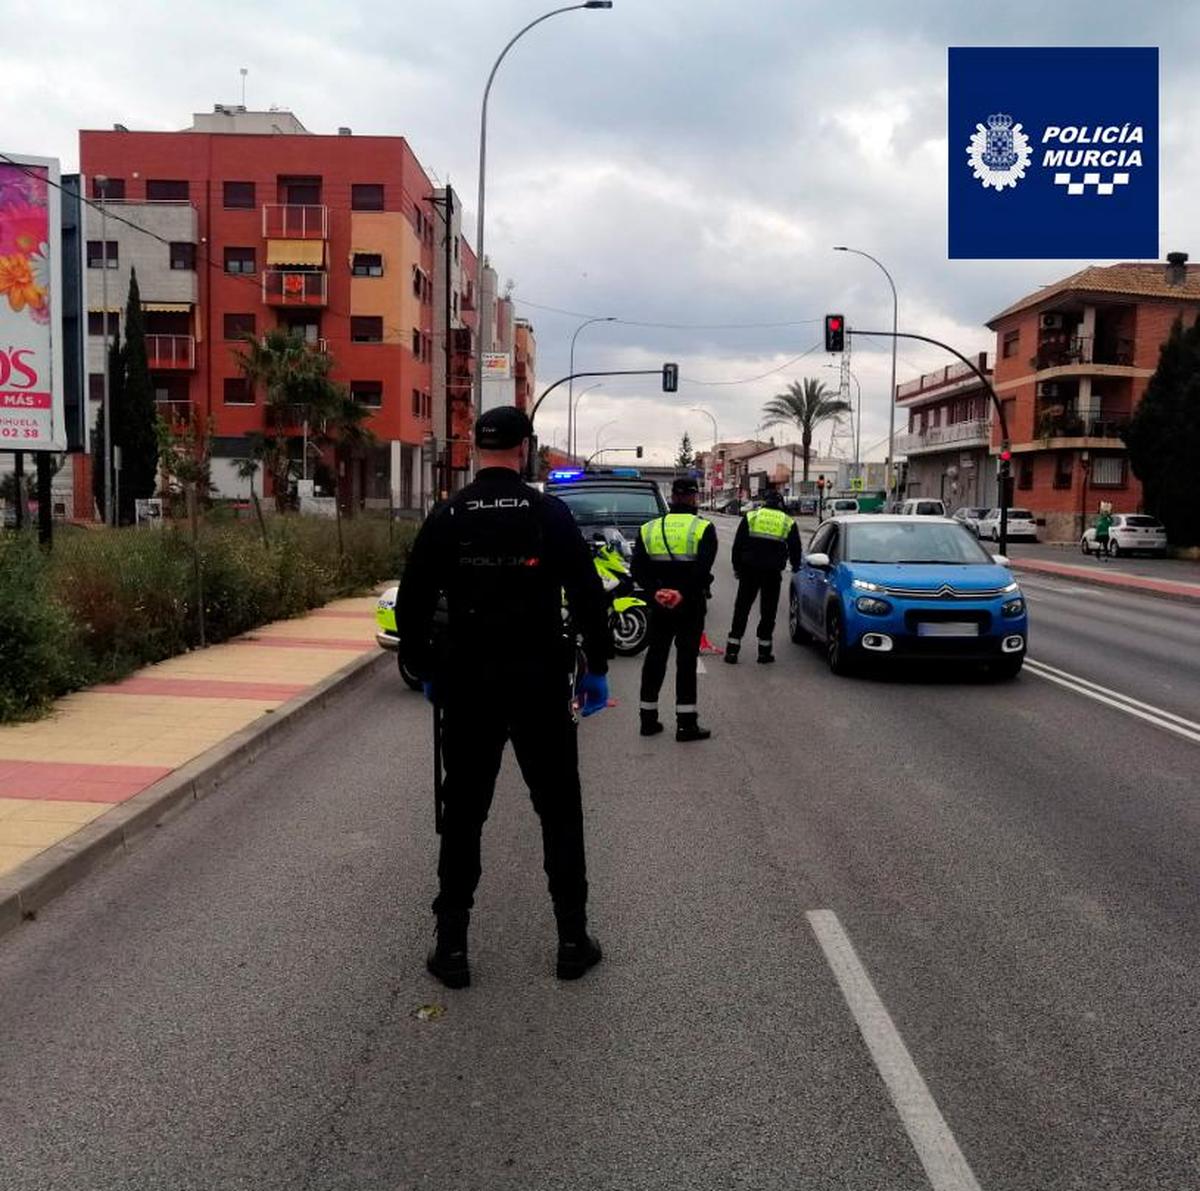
1160	719
943	1161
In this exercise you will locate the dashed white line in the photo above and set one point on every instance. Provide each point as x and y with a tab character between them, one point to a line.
944	1164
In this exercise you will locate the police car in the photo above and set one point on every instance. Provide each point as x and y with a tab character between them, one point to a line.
607	498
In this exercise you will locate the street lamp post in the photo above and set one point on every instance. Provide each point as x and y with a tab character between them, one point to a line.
102	186
599	432
571	383
891	460
483	143
573	416
712	463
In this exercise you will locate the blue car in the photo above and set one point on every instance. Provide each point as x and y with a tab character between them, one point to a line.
891	587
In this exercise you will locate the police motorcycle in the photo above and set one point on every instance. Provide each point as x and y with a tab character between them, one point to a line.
628	621
387	635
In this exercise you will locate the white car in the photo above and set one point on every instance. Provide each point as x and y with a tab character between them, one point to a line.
1129	532
969	516
923	506
840	507
1021	524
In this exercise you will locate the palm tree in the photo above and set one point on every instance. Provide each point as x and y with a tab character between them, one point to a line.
298	390
805	405
344	427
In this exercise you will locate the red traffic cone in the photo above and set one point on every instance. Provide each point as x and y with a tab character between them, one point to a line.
706	646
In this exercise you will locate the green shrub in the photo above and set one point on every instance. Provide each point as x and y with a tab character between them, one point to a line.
107	602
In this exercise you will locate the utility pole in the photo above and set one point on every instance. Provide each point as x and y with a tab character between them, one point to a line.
446	207
102	186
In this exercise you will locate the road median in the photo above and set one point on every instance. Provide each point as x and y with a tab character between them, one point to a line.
1100	576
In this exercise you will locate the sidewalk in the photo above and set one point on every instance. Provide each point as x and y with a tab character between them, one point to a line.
101	747
1107	574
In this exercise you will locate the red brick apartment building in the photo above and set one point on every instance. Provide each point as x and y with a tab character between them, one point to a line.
1072	363
258	223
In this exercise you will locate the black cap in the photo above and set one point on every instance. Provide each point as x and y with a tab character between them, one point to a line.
502	428
685	486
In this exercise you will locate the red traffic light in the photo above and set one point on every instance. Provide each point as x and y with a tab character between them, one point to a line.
835	333
835	323
1006	455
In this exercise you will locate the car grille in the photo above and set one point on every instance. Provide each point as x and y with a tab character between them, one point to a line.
945	592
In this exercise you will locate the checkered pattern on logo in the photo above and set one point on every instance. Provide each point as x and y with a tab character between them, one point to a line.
1091	180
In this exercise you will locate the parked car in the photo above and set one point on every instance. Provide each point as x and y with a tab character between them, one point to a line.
969	516
839	507
1021	524
1129	533
887	587
923	506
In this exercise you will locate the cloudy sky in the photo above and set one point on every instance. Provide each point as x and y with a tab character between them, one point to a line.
683	165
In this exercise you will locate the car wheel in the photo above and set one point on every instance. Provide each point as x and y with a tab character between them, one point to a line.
1008	667
796	630
1083	545
1114	551
836	650
410	679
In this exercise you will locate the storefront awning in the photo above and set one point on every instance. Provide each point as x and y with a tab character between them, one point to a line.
295	252
168	307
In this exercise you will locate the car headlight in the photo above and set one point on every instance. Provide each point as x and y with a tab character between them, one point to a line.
870	606
866	585
1013	607
1011	588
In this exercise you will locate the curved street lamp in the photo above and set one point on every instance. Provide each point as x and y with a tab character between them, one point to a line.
710	470
609	318
891	463
483	143
574	416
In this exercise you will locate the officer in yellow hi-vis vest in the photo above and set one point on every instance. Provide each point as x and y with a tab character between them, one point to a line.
672	560
766	541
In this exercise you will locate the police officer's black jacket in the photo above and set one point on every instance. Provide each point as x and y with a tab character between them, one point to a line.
502	554
764	554
690	579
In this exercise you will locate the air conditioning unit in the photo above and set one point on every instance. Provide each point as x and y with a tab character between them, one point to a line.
1051	322
1048	388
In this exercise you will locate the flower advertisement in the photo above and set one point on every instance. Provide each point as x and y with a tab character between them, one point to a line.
31	416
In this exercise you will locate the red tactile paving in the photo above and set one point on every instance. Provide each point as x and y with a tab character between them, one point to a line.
57	781
359	646
202	688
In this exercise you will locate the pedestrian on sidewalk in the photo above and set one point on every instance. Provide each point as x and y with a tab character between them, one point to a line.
1103	533
673	558
501	555
766	541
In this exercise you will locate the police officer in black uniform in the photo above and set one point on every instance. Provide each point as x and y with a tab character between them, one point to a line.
501	555
766	541
673	558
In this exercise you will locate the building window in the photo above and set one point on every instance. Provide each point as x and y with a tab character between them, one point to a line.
95	386
454	303
456	250
238	326
1108	471
163	190
367	392
416	403
1025	474
183	255
1063	463
366	328
367	264
97	256
427	348
416	344
238	391
96	323
416	282
1011	344
305	327
113	190
366	196
427	406
303	192
238	196
239	260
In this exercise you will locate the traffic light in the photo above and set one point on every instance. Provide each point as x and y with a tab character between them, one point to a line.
639	452
820	481
670	378
835	333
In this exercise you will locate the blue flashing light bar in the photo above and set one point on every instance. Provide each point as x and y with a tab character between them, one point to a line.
565	475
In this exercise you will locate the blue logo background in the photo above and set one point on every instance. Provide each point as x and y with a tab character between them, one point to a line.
1053	86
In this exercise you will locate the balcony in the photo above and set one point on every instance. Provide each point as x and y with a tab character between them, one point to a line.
1082	349
281	287
295	221
975	433
1080	427
943	377
171	353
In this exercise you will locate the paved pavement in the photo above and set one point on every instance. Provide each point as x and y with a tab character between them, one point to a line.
1012	867
102	746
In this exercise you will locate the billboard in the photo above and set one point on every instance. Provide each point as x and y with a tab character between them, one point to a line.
31	350
496	366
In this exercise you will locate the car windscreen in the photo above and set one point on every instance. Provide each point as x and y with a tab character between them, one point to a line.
928	508
913	541
1144	522
1020	515
603	506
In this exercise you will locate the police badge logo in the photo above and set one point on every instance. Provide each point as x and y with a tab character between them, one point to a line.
999	153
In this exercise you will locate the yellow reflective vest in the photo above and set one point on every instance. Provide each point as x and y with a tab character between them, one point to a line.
674	538
773	524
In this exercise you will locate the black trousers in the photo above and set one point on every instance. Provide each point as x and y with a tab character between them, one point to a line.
751	585
681	627
479	721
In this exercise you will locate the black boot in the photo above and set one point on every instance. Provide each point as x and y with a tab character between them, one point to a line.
448	960
765	654
651	724
732	649
687	727
577	950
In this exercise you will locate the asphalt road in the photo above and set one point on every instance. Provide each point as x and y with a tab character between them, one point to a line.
235	1005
